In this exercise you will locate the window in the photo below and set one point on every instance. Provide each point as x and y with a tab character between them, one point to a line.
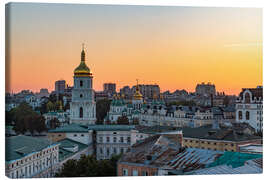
81	112
240	115
121	139
81	95
247	98
101	139
114	139
128	139
101	150
108	139
125	172
108	151
121	150
247	115
134	172
114	151
82	135
75	135
144	173
81	83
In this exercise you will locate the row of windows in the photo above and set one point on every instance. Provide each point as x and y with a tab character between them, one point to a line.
108	139
111	151
215	149
135	173
33	168
240	115
75	135
21	162
206	142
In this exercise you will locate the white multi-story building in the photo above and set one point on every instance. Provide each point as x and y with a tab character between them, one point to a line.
83	105
112	139
249	107
28	157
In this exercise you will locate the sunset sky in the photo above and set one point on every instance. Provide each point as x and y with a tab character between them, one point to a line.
174	47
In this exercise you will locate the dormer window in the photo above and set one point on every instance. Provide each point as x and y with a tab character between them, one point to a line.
247	98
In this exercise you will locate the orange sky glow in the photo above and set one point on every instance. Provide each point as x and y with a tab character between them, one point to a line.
174	47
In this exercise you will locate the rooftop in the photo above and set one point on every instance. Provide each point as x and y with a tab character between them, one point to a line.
164	151
68	143
20	146
82	128
69	128
250	167
226	134
111	127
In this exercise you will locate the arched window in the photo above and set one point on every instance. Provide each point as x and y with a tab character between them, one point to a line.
81	112
247	98
81	83
81	95
247	115
240	115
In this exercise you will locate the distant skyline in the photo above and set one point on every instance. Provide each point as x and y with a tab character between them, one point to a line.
174	47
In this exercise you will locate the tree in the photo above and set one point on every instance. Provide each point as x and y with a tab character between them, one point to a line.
10	120
88	166
123	120
102	108
27	120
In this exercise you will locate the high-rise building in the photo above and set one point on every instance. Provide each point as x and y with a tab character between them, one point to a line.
206	89
148	90
60	86
109	88
83	105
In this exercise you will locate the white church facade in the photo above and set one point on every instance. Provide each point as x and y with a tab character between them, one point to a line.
83	105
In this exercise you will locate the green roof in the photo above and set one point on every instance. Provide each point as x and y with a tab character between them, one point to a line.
117	102
111	127
157	129
234	159
65	143
20	146
70	128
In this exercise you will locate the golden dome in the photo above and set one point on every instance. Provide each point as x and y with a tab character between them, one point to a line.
82	69
137	95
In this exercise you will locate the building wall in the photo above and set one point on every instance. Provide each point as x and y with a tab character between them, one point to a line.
55	137
38	164
141	170
253	107
83	97
219	145
85	138
112	142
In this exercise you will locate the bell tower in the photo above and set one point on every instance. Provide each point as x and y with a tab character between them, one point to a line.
83	105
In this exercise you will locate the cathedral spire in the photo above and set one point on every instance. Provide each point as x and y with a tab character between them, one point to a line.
83	53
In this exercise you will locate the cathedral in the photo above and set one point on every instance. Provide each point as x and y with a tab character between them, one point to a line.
83	105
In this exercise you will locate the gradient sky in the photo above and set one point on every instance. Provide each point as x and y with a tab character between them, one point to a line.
175	47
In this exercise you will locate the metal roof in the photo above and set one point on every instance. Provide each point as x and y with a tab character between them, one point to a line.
20	146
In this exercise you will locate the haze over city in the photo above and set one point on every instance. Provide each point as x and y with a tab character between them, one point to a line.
174	47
